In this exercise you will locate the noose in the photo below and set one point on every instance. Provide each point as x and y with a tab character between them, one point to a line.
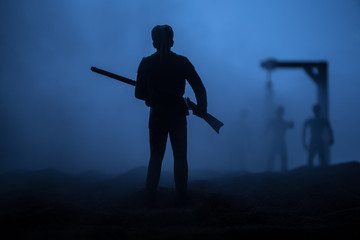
269	88
268	81
269	96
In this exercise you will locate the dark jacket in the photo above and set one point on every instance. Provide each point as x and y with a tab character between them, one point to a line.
161	82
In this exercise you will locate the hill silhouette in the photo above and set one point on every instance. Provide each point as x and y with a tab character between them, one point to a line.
305	203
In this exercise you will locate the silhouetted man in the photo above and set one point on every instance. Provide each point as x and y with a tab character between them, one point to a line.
318	127
161	83
278	126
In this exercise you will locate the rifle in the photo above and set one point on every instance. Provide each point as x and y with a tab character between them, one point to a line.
211	120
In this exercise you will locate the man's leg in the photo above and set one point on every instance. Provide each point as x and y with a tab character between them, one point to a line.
158	138
284	158
178	138
311	155
322	158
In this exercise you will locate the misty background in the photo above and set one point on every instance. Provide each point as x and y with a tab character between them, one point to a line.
56	113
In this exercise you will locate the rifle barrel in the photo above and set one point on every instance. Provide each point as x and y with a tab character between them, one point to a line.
113	75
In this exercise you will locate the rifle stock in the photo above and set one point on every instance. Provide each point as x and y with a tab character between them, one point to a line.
211	120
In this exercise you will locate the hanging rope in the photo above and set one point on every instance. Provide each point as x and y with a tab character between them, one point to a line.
269	97
269	82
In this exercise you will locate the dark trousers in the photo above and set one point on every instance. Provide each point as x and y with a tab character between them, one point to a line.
278	148
317	147
161	125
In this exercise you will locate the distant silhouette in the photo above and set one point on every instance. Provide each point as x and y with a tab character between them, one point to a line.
278	127
318	127
161	83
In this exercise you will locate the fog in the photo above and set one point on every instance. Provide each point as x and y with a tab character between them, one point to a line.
56	113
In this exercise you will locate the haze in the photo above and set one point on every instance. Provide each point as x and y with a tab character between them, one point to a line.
56	113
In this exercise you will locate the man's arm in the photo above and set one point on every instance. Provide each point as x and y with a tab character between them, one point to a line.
290	124
306	124
198	88
141	84
330	132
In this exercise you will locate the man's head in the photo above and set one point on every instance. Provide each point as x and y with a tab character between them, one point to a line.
162	36
317	110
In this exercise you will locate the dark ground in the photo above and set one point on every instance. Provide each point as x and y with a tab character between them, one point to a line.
301	204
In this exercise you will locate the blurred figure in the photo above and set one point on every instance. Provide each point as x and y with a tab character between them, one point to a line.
318	127
161	83
278	127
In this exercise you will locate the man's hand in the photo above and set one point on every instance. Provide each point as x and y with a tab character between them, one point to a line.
200	111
